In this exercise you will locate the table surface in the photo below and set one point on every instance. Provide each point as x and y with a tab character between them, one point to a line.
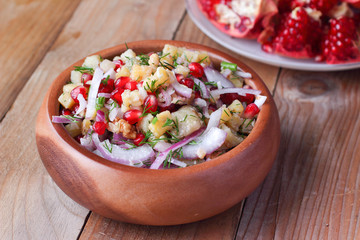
312	191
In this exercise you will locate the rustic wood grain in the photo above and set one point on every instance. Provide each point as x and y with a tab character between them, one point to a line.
312	191
27	31
217	227
31	205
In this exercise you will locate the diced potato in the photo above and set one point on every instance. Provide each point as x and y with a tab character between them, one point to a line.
225	115
232	138
67	88
131	99
75	77
159	78
235	122
180	69
157	125
129	58
248	125
187	120
106	65
236	80
92	61
74	128
191	56
66	100
236	107
204	58
167	60
154	61
143	125
123	72
140	72
170	49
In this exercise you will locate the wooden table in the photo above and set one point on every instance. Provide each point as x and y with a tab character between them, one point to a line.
312	191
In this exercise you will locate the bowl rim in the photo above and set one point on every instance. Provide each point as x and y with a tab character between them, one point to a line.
53	93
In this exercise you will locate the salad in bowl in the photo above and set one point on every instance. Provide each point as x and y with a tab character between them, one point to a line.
167	109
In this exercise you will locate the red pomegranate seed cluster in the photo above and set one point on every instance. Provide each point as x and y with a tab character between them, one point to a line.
325	30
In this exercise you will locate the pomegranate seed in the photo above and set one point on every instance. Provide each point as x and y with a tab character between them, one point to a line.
99	127
131	85
76	91
120	82
197	94
85	77
116	95
66	112
171	108
228	98
212	107
151	104
179	77
138	139
196	69
108	87
118	64
188	82
249	98
251	110
339	44
132	116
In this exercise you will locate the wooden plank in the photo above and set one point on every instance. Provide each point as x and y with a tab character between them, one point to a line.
222	226
217	227
312	191
27	30
31	205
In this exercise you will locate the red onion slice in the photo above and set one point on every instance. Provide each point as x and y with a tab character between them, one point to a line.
179	88
178	163
111	73
204	91
260	100
207	144
214	120
161	146
213	75
91	110
132	157
82	103
100	116
87	142
243	74
105	95
241	91
166	97
64	119
162	156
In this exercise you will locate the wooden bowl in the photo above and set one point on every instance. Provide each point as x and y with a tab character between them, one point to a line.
157	197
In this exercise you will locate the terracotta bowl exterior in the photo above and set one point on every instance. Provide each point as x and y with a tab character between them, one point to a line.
157	197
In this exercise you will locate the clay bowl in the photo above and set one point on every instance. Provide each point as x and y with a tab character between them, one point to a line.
157	197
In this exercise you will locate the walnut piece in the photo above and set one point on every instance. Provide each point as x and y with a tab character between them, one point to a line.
122	126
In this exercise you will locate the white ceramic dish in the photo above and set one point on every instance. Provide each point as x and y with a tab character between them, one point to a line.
251	49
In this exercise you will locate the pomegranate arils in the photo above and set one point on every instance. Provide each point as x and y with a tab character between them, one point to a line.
85	77
120	82
251	110
76	91
132	116
150	104
338	44
196	69
118	64
116	95
139	138
179	77
297	35
99	127
188	82
65	112
131	85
